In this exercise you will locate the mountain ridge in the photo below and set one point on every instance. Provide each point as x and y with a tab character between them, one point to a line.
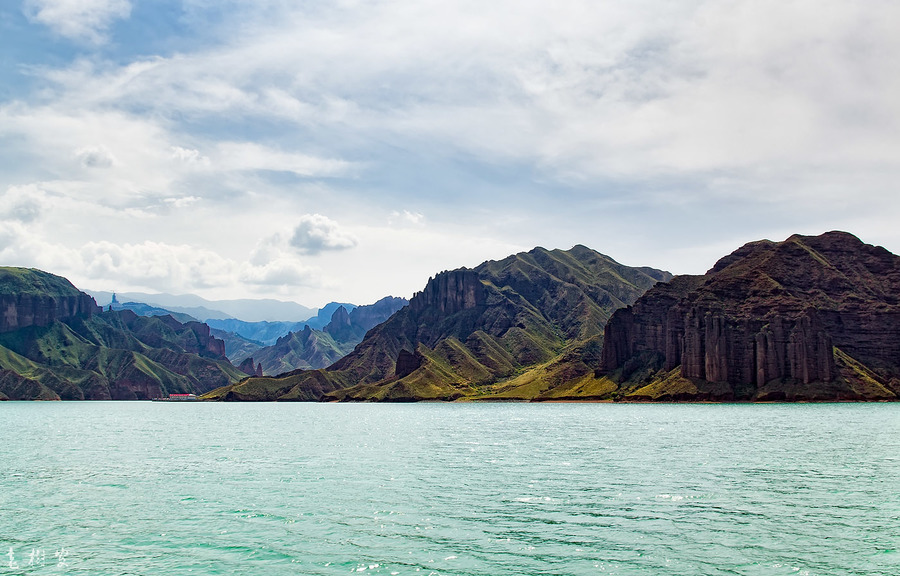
471	328
809	318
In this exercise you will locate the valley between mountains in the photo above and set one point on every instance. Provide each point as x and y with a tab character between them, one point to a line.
810	318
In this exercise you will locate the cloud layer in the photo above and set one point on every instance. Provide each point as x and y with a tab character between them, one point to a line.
309	145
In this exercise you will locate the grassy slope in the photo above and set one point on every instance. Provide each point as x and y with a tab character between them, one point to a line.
81	359
32	282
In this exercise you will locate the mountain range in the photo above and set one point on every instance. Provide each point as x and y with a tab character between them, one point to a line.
249	310
267	332
810	318
309	348
283	346
56	343
507	329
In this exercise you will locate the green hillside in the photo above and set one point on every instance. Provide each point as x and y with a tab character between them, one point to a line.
32	282
55	343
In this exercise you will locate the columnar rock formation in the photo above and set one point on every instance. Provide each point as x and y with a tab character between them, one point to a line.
768	315
248	367
450	292
35	298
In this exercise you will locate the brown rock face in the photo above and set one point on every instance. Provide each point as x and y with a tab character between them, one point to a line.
407	363
450	292
207	345
248	367
769	312
23	310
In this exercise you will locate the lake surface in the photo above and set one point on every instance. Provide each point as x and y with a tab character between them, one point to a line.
115	488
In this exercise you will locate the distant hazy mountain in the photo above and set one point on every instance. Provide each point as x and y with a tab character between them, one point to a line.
142	309
268	332
248	310
310	348
323	316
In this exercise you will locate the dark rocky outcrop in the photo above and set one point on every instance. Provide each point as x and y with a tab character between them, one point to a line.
248	367
340	327
450	292
407	363
807	318
31	297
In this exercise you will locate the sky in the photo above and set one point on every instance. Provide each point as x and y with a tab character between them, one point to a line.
346	150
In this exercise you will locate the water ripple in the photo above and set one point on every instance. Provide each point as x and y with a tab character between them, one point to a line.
468	490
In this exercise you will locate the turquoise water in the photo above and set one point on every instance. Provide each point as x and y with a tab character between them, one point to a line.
569	489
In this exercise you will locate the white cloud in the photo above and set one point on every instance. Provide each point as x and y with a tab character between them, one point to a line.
189	156
170	267
316	233
406	217
22	203
285	272
594	122
413	217
154	266
251	156
183	202
80	20
588	90
95	157
122	156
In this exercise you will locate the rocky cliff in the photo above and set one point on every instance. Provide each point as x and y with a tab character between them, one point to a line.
449	293
810	318
31	297
248	367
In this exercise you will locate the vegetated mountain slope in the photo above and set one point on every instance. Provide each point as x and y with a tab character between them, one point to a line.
309	349
810	318
513	328
61	346
237	347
